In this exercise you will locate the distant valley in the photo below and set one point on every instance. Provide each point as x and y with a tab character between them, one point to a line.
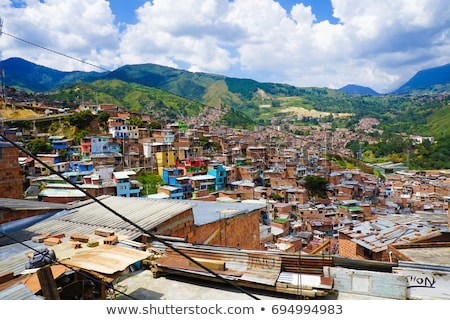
173	94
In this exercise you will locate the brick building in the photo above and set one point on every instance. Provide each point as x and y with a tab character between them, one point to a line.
200	222
13	209
11	179
369	240
228	224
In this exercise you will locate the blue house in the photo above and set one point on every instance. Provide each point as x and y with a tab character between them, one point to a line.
126	187
60	143
170	175
172	191
78	169
81	166
219	172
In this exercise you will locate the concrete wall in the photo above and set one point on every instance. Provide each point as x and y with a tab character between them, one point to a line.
370	283
425	284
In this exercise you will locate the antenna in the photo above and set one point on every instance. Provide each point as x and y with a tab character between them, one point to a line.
1	26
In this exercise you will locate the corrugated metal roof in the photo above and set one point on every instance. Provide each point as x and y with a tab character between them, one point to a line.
19	291
146	213
17	204
14	258
304	280
209	211
202	177
377	235
259	267
50	192
247	267
121	175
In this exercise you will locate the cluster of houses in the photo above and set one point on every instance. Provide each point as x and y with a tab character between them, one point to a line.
244	189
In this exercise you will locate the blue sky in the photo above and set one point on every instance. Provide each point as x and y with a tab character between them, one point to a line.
124	10
324	43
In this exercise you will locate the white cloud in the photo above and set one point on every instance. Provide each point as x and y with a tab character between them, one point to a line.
82	29
376	43
170	32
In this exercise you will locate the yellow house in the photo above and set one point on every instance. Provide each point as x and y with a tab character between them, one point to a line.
166	159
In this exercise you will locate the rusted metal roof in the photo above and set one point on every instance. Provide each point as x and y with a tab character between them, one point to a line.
272	270
253	267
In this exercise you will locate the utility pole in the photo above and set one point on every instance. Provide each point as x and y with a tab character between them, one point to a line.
3	103
3	81
360	151
407	159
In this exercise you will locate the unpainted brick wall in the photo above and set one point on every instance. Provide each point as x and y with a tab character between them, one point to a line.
11	180
238	232
347	248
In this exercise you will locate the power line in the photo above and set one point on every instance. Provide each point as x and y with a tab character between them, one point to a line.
154	237
126	77
53	51
101	203
53	260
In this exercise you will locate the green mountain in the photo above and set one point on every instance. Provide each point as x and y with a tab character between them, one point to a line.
355	89
433	79
173	94
30	77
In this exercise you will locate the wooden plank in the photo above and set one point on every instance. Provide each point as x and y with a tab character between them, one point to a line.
48	284
210	264
6	276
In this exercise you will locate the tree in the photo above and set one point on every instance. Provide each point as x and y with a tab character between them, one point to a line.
316	186
154	125
63	154
79	135
277	197
150	182
39	146
136	121
103	117
81	119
